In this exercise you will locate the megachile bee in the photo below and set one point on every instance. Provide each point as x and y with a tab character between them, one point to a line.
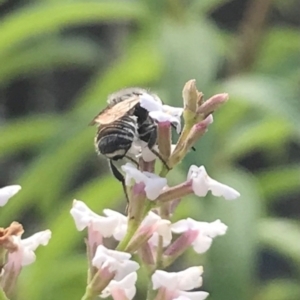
122	123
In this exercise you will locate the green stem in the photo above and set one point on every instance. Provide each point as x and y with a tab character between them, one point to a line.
150	293
159	253
133	225
2	295
88	295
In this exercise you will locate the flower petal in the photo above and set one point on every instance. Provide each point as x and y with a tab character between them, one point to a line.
121	228
150	102
85	217
202	183
26	247
7	192
192	295
187	279
219	189
180	226
117	261
153	183
123	289
133	173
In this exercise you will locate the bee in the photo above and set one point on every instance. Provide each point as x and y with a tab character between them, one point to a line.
122	123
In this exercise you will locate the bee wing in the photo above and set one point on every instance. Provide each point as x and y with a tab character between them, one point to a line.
113	113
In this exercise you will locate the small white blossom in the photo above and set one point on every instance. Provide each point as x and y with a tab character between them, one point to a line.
206	232
192	296
116	261
153	183
121	290
7	192
121	229
26	247
85	217
176	283
161	112
161	226
202	183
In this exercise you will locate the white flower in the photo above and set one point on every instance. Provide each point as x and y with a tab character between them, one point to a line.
116	261
153	183
161	112
206	232
121	229
7	192
161	227
26	247
202	183
192	296
85	217
176	283
123	289
185	280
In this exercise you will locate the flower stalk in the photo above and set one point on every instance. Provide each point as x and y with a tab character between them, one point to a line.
147	230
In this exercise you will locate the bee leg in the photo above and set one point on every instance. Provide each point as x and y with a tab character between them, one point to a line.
151	143
160	158
118	175
132	160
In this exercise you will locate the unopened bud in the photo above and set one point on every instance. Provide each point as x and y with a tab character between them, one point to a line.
173	193
146	254
196	132
190	95
179	246
213	103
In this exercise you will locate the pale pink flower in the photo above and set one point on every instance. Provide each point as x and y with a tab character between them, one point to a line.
206	232
153	183
174	285
121	290
117	262
25	247
84	217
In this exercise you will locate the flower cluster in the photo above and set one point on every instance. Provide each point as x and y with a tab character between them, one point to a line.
147	232
14	251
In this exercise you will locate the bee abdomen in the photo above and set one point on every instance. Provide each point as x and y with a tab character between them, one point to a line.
115	140
147	132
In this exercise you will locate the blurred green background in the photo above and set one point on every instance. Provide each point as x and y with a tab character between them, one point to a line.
58	61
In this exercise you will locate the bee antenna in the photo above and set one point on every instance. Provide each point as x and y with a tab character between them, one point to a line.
118	175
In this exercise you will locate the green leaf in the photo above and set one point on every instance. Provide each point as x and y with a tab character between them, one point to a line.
265	134
27	133
207	6
279	52
266	95
192	50
282	236
49	55
41	19
278	181
66	275
279	289
48	177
